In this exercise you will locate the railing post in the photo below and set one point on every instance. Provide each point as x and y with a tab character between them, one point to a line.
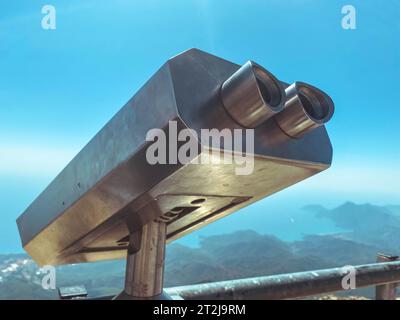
386	291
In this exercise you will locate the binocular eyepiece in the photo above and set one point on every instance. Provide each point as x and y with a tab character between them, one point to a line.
252	95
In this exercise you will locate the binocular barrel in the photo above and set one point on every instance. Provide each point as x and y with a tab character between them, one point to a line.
252	95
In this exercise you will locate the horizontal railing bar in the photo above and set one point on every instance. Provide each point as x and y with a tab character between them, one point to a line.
291	285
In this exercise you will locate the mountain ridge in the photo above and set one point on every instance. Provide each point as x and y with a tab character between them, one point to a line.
240	254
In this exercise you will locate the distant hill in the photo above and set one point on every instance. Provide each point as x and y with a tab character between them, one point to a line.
230	256
373	225
394	209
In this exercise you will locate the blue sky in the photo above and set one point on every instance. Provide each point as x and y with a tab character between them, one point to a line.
59	87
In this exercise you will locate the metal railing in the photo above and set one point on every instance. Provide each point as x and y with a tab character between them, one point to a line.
385	275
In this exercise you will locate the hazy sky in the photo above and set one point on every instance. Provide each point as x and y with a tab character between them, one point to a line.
59	87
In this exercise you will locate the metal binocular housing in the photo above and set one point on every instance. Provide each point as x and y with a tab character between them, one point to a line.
111	202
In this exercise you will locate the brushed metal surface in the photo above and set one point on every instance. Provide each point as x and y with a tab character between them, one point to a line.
145	267
109	190
252	95
306	108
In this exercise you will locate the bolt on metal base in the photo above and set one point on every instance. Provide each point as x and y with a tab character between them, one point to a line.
145	264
